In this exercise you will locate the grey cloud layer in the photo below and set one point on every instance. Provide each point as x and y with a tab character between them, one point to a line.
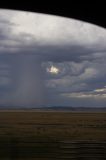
77	49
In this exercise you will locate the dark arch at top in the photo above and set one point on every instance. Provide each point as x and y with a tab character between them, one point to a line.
88	12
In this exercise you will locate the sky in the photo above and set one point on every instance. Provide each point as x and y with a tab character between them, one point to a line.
48	60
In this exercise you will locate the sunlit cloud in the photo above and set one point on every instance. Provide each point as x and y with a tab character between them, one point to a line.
53	70
85	95
100	89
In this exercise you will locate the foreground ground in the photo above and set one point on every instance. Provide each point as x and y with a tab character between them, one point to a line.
30	134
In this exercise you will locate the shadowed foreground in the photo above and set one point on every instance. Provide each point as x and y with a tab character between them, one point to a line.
52	135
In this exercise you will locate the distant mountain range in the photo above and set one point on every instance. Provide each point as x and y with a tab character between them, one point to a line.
65	108
55	108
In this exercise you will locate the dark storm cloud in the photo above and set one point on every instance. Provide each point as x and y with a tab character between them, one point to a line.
79	57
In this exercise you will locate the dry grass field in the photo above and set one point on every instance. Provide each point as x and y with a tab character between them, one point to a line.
30	134
56	125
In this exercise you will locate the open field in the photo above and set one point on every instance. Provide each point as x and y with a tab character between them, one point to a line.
52	135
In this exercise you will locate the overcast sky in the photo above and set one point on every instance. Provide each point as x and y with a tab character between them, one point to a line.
49	60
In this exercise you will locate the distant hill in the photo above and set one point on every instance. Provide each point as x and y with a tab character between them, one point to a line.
56	108
63	108
73	109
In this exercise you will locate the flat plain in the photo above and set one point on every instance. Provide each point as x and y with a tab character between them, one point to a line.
52	135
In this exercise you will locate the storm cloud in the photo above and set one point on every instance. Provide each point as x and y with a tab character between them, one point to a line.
31	44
